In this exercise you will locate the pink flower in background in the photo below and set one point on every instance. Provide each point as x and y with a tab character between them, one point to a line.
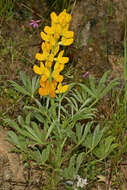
34	23
85	74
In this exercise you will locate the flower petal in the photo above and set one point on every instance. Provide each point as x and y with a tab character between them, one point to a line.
44	36
54	17
39	57
48	30
37	70
66	41
68	34
43	91
61	89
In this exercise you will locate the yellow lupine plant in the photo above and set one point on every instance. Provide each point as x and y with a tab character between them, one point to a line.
51	59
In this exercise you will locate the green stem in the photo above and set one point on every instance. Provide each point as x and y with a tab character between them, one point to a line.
59	108
94	103
53	108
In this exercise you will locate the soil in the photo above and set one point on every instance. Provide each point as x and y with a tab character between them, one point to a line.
99	34
99	46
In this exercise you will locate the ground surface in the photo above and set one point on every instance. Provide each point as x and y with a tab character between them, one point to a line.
99	35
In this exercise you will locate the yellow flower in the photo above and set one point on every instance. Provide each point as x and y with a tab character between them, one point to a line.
42	70
48	38
68	34
40	56
54	17
66	41
56	75
61	89
55	30
58	66
64	18
48	64
62	59
46	55
50	77
48	30
47	88
46	46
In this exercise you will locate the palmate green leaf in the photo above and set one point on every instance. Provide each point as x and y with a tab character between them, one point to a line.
87	89
74	102
83	135
19	88
92	84
112	84
97	135
79	131
26	81
86	113
69	173
39	117
45	154
93	139
102	82
49	130
36	130
99	91
15	126
27	120
88	141
69	133
29	87
21	121
14	139
105	148
33	134
86	103
78	96
79	162
23	78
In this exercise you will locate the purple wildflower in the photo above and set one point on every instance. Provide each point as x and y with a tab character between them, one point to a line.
34	23
84	75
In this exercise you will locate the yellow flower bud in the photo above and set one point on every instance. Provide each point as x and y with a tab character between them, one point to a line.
61	89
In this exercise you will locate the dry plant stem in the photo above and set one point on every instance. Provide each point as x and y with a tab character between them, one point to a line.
31	10
73	7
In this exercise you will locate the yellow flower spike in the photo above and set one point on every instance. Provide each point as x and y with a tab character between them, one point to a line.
62	89
50	77
66	41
